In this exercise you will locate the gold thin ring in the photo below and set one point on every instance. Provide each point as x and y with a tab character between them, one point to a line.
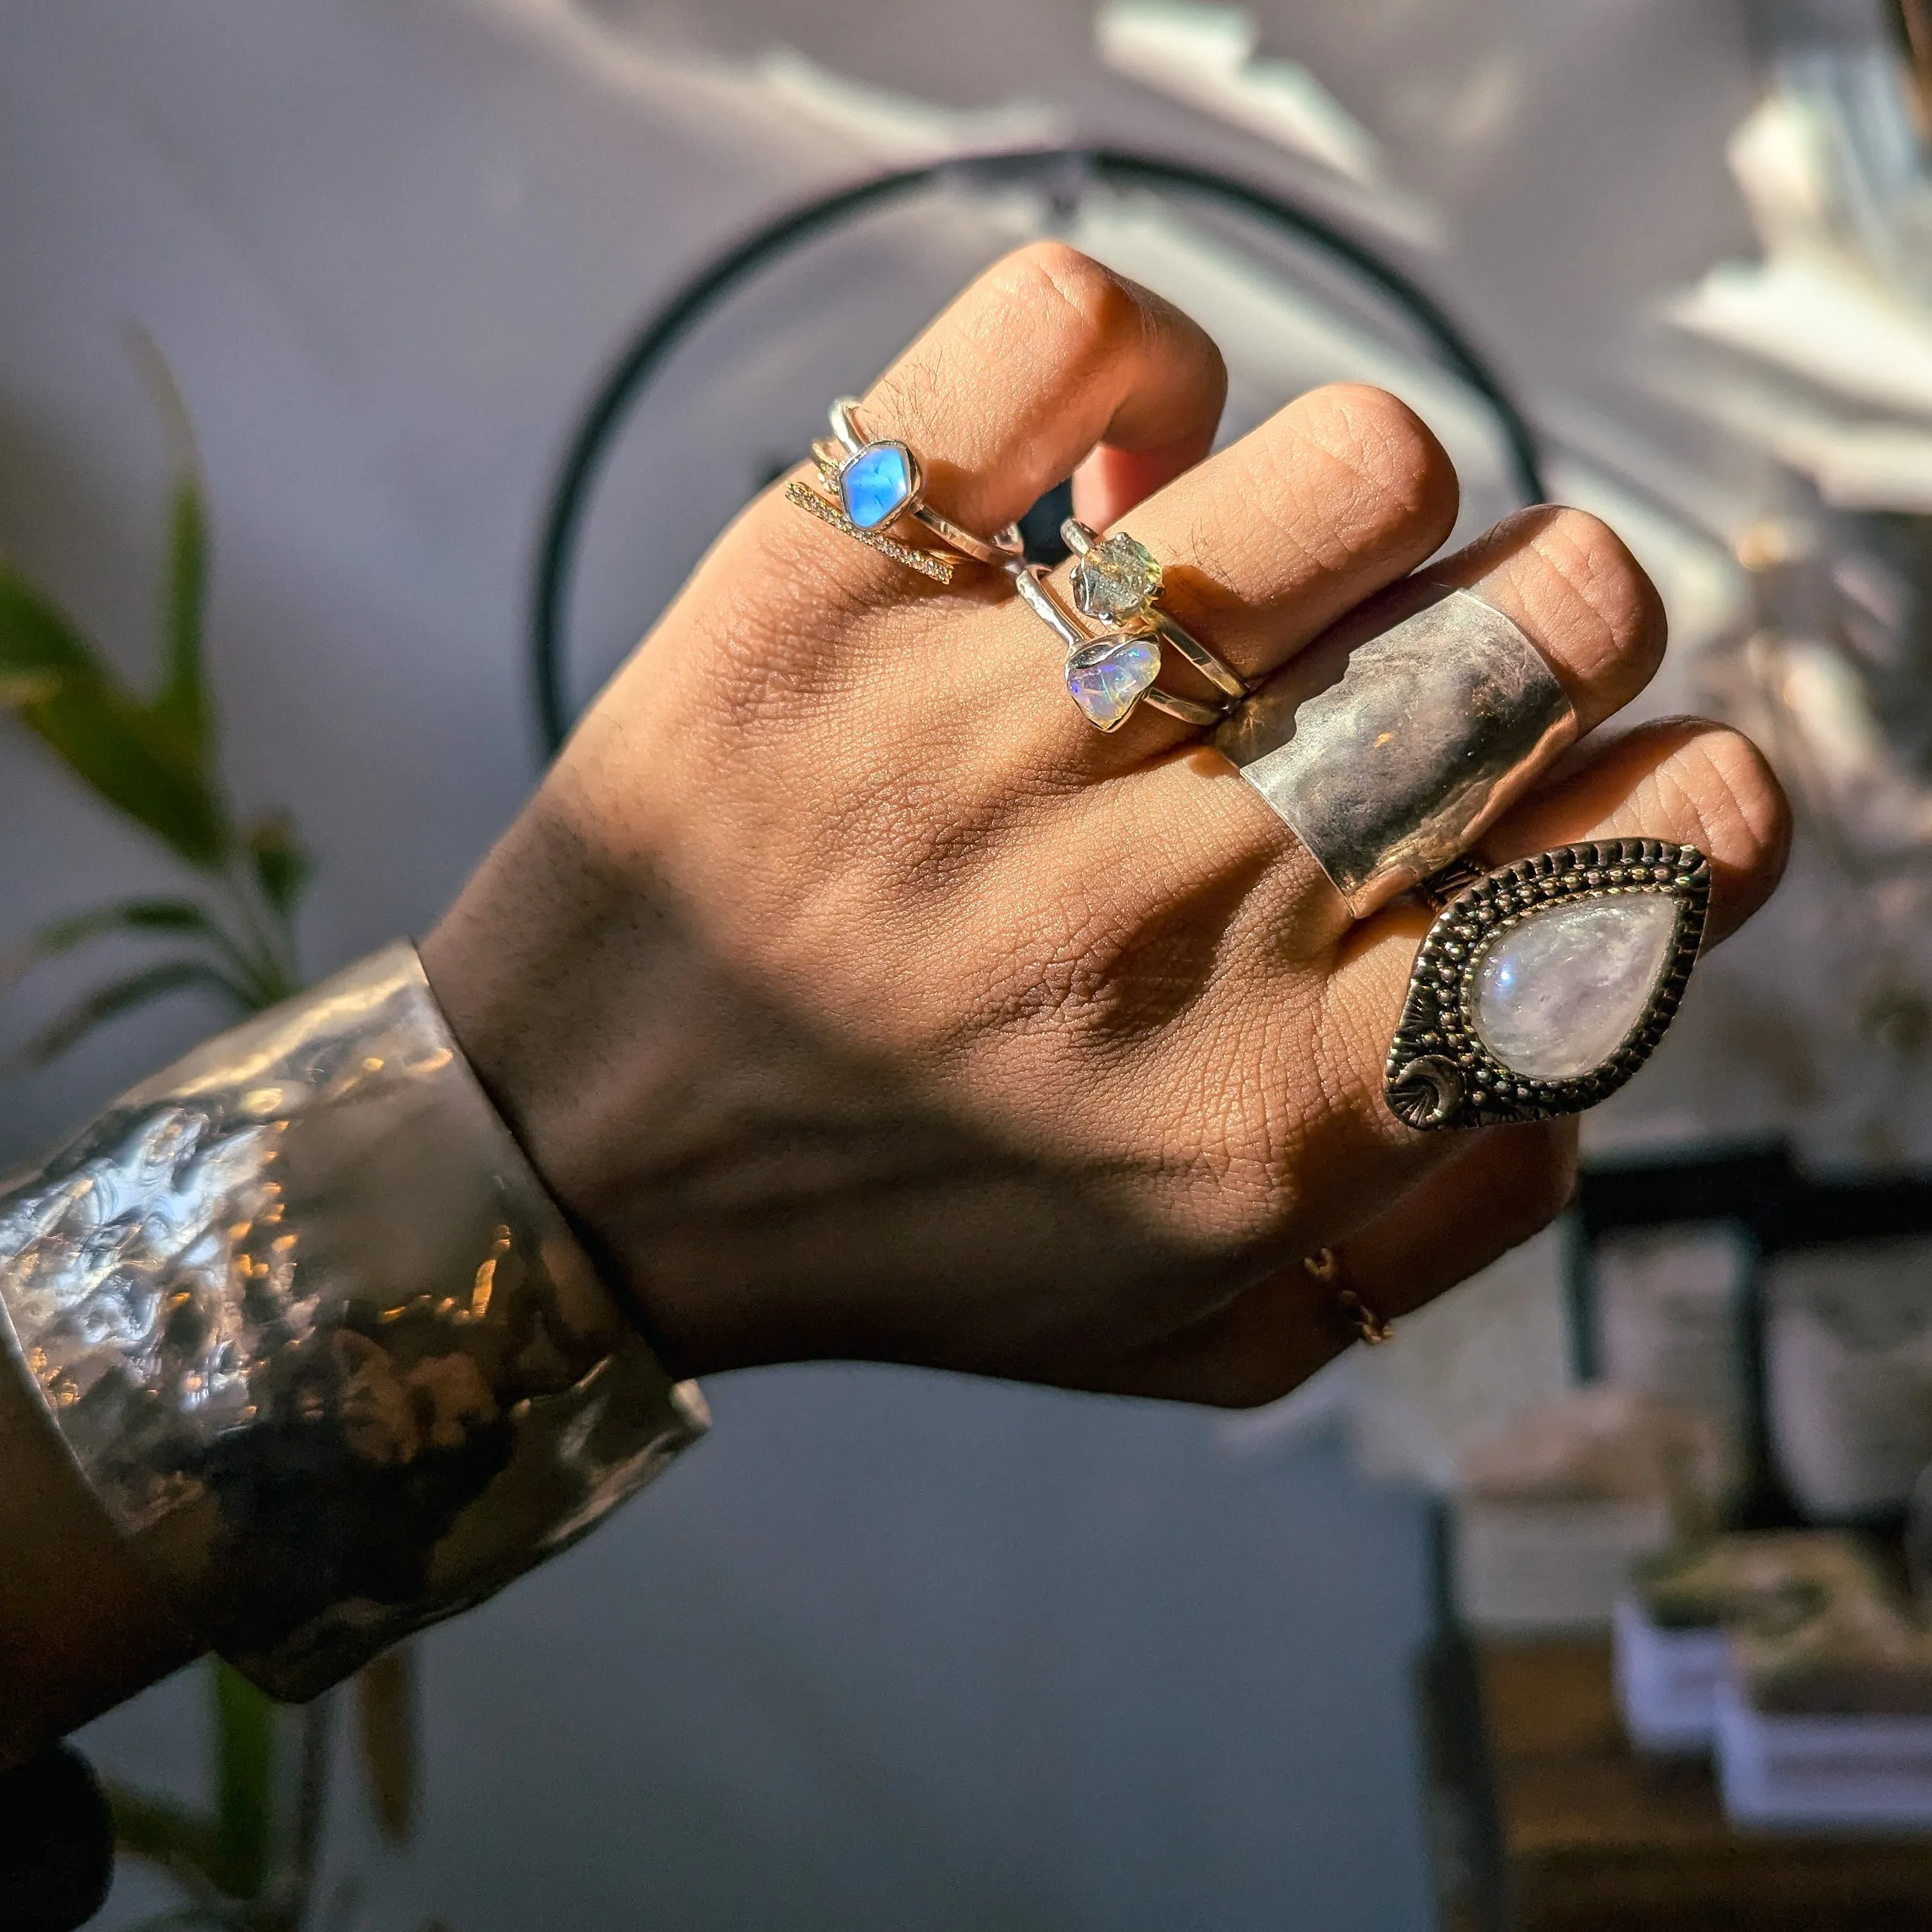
1324	1265
1109	675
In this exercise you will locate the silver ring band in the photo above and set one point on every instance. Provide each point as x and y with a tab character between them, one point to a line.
1388	750
1004	546
1029	580
1080	539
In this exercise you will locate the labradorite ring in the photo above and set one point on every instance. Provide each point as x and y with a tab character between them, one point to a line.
869	486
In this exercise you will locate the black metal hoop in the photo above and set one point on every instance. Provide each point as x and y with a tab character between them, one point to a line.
687	305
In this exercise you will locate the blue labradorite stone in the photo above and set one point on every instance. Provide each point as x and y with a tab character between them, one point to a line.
876	484
1107	678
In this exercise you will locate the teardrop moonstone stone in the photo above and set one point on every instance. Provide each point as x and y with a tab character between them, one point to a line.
876	484
1557	994
1106	678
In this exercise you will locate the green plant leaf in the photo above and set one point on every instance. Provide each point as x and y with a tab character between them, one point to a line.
21	688
124	995
182	706
135	915
281	862
127	756
244	1780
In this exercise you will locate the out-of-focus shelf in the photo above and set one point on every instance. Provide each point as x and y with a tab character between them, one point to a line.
1545	1820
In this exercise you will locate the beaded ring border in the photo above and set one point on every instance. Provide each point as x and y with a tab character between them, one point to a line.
875	484
1440	1072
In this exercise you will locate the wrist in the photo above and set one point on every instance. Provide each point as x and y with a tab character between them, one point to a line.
583	1018
83	1624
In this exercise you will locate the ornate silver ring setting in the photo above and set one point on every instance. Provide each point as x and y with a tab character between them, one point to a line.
869	486
1110	673
1543	986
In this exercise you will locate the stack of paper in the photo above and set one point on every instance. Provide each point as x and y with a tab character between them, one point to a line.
1840	1770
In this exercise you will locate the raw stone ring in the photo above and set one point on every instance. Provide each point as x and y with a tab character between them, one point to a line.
869	486
1115	583
1543	986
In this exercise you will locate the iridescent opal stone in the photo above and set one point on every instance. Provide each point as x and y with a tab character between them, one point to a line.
876	484
1107	678
1558	993
1115	580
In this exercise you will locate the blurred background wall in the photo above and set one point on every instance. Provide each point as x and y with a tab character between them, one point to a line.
890	1650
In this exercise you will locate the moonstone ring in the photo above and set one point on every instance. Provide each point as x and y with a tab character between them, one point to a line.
1108	675
1116	581
1543	986
870	486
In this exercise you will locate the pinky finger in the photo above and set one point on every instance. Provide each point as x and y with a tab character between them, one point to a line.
1509	1184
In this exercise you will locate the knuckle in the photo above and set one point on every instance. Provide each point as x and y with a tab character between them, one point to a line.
1722	786
1067	307
1597	594
1362	473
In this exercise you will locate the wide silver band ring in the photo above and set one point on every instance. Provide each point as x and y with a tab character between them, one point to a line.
1390	747
1002	547
1137	657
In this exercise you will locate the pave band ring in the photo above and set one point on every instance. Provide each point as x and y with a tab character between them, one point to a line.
1390	747
1543	986
869	486
1108	676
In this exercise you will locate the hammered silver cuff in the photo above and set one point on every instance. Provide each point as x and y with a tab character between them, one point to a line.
320	1340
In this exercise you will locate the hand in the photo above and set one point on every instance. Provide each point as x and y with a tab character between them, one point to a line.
856	999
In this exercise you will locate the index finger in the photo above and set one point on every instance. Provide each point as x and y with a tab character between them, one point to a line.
1047	356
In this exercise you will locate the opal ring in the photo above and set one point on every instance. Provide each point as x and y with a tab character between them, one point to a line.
1391	744
1543	986
1116	582
870	486
1109	675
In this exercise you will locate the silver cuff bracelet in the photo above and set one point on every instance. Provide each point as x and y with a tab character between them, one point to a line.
320	1340
1389	754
